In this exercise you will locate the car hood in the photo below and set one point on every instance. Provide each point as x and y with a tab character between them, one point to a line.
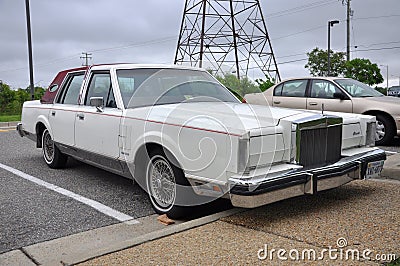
388	104
231	118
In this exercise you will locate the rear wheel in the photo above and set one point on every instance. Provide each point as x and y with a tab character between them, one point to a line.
51	154
384	130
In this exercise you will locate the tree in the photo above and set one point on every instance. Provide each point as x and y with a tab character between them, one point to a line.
318	62
364	71
11	101
265	84
381	90
6	97
241	87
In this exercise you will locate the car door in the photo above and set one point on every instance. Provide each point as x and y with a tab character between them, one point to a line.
97	129
322	93
291	94
62	115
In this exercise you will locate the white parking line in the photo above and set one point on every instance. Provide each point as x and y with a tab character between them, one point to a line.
92	203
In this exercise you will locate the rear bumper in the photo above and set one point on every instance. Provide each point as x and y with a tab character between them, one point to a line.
261	191
24	133
20	131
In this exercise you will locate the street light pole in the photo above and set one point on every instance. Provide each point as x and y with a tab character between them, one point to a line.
330	24
28	28
387	77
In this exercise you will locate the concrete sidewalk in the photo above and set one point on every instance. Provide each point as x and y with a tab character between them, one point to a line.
362	216
391	169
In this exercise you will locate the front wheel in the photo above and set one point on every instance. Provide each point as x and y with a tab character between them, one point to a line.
384	130
163	181
51	154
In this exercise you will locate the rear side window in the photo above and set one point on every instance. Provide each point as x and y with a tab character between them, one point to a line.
70	93
294	88
323	89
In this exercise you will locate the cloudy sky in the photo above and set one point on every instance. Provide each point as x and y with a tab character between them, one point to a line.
147	32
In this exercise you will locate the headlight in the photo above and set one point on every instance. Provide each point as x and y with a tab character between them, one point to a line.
243	154
370	135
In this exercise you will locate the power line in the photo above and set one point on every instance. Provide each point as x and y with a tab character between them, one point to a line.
71	57
292	55
384	16
292	61
155	41
299	32
299	9
369	45
377	49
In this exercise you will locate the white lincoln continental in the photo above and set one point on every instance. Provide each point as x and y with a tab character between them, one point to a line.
186	139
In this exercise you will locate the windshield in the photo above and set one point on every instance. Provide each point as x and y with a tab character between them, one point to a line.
148	87
357	89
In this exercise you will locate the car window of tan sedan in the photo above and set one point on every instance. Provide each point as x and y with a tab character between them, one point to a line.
323	89
291	94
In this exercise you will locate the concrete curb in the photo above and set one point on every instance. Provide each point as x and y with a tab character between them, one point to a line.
84	246
7	125
391	169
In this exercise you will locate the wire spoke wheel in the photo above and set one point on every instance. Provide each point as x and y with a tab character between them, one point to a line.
380	130
161	183
51	154
48	147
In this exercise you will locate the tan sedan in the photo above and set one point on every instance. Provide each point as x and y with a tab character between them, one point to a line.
335	94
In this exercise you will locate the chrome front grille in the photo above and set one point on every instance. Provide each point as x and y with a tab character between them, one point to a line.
320	146
319	141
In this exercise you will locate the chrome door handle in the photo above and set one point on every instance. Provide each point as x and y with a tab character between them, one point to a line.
81	116
313	103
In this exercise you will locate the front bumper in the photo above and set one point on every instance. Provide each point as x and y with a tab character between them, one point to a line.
260	191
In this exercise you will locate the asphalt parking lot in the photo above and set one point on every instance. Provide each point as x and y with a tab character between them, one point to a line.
33	213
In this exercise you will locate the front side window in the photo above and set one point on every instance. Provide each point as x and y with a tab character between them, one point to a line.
323	89
294	88
148	87
70	93
100	86
278	90
357	89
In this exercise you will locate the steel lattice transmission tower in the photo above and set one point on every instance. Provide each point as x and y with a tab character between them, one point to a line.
226	35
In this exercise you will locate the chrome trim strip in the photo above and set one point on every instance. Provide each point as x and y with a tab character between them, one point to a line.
205	179
113	165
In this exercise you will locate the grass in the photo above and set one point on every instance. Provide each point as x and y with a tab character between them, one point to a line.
10	118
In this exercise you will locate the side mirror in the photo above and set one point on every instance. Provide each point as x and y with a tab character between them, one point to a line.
339	95
97	102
